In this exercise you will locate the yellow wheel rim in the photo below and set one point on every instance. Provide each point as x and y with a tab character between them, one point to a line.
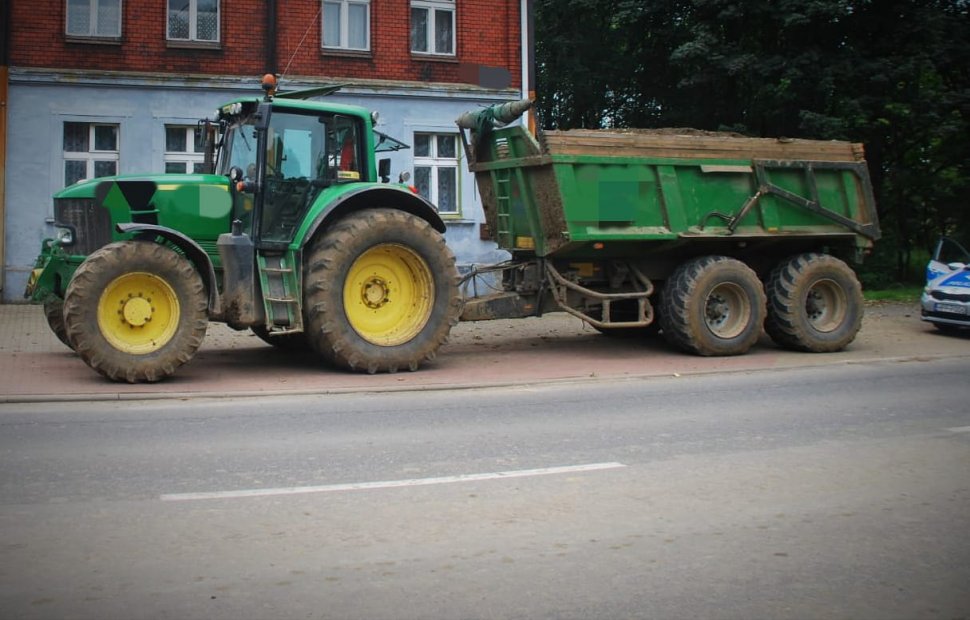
138	313
388	295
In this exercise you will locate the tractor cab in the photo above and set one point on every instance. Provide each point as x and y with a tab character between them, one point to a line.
281	156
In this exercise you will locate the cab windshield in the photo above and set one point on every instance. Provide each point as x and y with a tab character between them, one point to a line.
239	148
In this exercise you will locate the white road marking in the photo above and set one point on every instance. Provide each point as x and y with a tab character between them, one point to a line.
388	484
960	429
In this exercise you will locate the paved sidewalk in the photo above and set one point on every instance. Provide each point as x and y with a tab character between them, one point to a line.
36	367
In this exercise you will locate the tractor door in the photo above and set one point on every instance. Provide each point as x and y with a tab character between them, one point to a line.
304	154
294	148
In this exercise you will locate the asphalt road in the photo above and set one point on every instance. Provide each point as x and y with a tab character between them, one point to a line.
825	492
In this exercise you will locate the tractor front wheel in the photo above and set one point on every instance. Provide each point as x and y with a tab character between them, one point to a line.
135	311
54	313
381	292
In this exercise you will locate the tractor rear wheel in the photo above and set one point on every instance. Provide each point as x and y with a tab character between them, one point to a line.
54	313
381	292
135	311
713	305
815	303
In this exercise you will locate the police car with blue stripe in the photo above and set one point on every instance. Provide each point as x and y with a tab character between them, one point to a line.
946	297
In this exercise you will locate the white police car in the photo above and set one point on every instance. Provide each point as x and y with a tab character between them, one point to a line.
946	298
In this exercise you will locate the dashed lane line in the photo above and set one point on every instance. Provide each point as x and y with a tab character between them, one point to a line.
389	484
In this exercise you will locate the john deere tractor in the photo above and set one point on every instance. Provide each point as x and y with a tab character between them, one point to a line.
292	230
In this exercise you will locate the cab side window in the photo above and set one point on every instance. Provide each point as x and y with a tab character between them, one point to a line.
345	149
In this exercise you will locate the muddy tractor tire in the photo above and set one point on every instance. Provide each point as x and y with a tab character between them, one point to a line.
381	292
135	311
815	304
713	306
54	313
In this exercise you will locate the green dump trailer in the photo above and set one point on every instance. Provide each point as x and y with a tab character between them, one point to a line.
706	237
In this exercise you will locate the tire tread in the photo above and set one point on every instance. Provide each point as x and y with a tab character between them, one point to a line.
81	303
327	329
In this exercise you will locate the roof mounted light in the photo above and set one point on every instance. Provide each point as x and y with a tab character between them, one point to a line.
269	84
231	109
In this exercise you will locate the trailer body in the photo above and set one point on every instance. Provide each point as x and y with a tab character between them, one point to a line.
600	222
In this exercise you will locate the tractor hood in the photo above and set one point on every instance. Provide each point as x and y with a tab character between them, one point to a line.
198	205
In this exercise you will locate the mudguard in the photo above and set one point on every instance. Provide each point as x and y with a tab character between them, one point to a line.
193	251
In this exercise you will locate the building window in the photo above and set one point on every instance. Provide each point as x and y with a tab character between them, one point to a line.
94	18
433	27
193	20
184	149
346	24
436	170
90	151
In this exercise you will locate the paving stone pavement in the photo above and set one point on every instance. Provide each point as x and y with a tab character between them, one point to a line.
35	366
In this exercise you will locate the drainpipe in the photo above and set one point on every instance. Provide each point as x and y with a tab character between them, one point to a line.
527	54
4	90
271	65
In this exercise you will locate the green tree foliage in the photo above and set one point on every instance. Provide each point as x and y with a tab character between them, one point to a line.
893	74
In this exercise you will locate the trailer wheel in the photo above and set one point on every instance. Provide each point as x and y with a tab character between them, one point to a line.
713	305
54	313
814	303
381	292
135	311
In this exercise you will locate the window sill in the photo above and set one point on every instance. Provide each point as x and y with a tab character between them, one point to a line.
454	218
71	38
194	45
449	58
346	53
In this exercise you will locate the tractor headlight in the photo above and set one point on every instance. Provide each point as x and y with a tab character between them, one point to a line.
64	235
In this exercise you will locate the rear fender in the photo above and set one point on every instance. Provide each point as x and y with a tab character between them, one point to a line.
192	250
386	196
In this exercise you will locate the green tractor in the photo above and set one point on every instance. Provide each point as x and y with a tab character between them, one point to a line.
292	230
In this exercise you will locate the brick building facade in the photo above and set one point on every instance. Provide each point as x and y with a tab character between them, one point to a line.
95	87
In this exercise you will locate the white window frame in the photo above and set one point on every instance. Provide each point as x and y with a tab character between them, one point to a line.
94	8
344	35
193	23
190	156
92	155
436	163
432	7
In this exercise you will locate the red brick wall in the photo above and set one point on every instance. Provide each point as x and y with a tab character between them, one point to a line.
487	34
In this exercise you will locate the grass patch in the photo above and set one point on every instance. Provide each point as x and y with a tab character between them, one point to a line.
895	293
